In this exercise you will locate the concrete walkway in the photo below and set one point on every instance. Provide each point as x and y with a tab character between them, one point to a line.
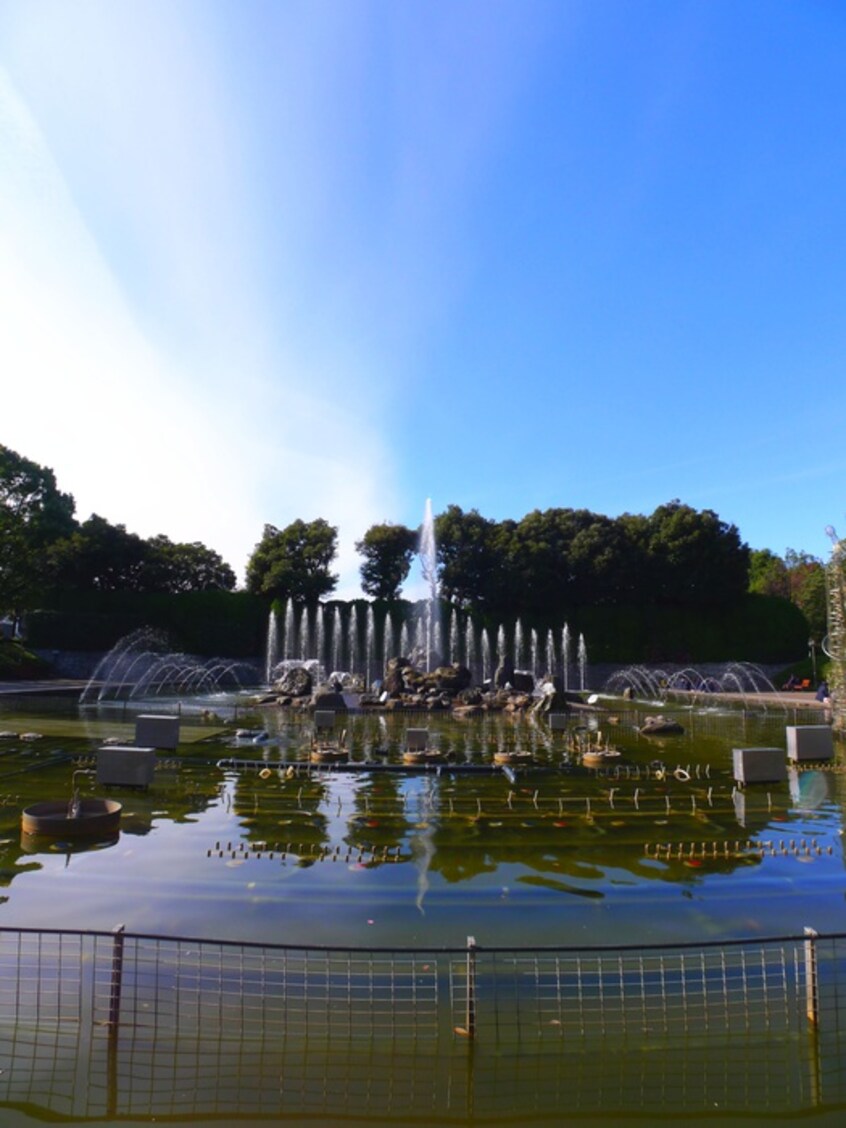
53	685
790	698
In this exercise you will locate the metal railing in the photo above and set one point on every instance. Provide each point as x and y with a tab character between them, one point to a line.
119	1025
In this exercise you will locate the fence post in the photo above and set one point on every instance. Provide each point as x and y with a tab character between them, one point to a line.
812	999
115	985
470	1023
116	978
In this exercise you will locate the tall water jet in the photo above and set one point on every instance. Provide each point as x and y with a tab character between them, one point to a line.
272	650
288	650
369	644
470	658
429	567
518	643
582	663
565	655
337	638
454	655
320	634
353	665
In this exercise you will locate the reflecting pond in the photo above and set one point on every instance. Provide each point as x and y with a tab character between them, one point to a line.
510	835
242	838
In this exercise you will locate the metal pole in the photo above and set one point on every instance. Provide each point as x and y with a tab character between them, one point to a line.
812	1011
470	1023
812	1002
114	1015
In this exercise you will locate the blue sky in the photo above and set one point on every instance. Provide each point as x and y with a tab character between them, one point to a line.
270	260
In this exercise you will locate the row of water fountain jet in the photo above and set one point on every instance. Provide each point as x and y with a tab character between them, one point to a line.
354	638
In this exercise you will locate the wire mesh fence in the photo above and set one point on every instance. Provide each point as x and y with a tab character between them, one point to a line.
97	1025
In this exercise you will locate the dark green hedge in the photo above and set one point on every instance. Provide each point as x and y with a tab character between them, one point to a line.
761	628
234	624
208	623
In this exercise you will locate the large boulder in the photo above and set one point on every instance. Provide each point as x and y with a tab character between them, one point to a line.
393	683
660	726
296	682
451	679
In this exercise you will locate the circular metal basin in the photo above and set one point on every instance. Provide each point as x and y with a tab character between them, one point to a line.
328	756
50	819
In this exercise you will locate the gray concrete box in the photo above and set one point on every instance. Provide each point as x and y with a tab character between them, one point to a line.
324	719
759	765
126	765
557	721
809	742
153	731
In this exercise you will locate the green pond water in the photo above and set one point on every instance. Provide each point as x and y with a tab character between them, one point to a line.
235	840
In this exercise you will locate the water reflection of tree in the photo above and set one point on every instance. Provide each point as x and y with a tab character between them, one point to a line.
379	822
466	848
277	811
591	842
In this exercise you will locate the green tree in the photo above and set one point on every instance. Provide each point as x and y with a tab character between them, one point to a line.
768	574
567	558
33	514
174	567
293	563
697	559
473	558
605	563
99	556
797	576
388	551
540	559
807	589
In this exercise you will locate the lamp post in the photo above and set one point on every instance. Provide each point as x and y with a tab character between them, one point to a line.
812	651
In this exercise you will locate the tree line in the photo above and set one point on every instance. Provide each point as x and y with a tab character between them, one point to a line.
43	548
541	566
